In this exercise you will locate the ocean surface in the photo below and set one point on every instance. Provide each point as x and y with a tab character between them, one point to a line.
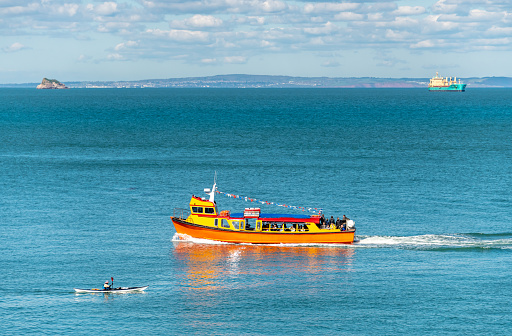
89	179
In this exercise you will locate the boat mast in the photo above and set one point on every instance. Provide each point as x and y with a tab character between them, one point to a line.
214	188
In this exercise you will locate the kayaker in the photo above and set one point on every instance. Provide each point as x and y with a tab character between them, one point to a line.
106	286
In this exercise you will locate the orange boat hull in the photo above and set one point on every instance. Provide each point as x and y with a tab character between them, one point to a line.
259	237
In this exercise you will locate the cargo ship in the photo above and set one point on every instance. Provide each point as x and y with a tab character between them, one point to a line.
203	220
446	84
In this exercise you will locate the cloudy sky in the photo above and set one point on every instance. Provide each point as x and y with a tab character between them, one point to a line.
73	40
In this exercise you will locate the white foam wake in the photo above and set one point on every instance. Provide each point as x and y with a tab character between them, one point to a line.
434	241
181	237
427	242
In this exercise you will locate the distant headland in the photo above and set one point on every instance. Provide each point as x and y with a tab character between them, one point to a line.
266	81
51	84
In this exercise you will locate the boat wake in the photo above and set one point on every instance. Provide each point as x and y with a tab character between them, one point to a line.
447	242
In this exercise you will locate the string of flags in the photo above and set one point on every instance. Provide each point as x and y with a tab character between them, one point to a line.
250	199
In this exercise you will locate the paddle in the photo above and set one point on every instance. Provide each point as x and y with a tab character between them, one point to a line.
112	278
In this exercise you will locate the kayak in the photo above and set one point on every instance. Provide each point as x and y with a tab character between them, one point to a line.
113	290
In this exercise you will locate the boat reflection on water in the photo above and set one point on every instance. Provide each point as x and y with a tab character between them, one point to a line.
222	266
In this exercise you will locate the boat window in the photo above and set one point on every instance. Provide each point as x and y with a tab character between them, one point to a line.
236	224
209	210
216	222
258	225
197	209
266	226
224	223
250	223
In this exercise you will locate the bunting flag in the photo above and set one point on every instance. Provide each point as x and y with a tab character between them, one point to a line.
249	199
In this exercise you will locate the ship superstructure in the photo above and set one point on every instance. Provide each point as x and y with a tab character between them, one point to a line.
446	84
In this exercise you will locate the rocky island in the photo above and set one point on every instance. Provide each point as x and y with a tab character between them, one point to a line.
51	84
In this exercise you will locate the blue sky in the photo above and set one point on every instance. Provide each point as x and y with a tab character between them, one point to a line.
73	40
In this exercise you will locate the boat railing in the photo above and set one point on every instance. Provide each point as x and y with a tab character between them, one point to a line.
181	213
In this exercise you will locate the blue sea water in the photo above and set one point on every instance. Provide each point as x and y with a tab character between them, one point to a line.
89	179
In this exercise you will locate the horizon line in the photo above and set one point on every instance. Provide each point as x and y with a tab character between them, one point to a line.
250	75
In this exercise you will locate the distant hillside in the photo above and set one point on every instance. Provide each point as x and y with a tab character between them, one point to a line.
490	82
264	81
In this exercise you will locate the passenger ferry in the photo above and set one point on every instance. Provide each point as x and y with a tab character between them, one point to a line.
446	84
203	220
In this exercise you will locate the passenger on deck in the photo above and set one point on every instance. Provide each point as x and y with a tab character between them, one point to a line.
338	223
274	227
331	223
322	222
344	223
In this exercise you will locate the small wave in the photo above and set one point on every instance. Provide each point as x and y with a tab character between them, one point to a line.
440	242
490	235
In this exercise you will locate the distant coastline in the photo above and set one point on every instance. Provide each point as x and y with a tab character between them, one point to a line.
263	81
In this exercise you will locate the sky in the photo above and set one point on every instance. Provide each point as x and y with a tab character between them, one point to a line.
73	40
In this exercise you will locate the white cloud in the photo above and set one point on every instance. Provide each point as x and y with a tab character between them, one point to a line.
115	27
204	21
349	16
31	8
125	45
393	35
212	31
409	10
104	9
267	44
483	15
250	20
235	59
180	35
66	10
16	46
423	44
431	25
271	6
322	30
331	64
209	60
84	58
188	35
115	57
327	7
198	21
216	6
500	31
444	7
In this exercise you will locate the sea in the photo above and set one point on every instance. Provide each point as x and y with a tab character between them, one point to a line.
89	179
